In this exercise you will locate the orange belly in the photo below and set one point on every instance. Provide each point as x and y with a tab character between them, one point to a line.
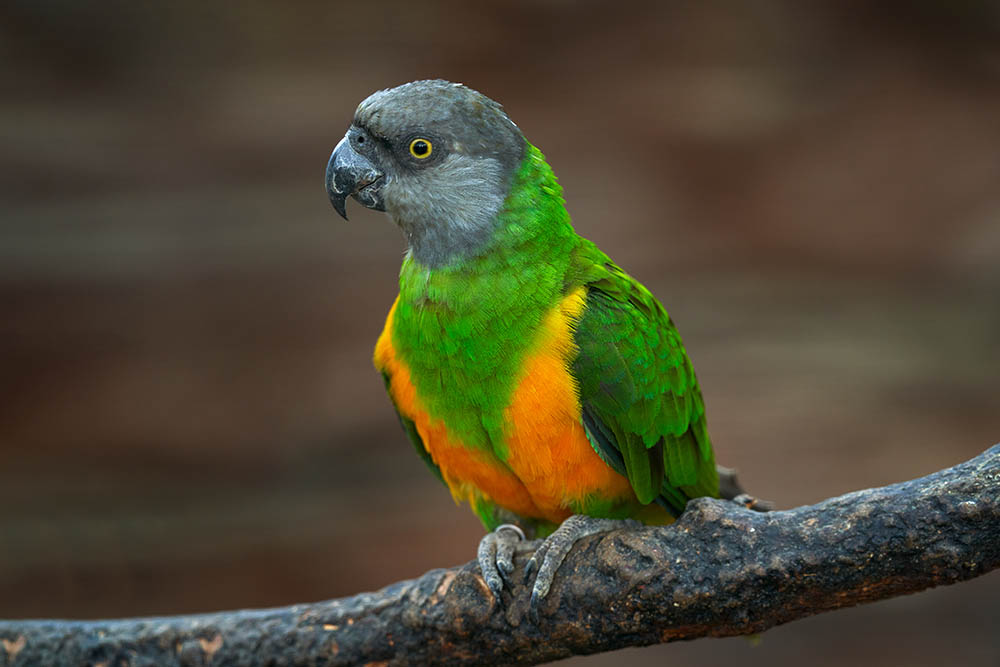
551	469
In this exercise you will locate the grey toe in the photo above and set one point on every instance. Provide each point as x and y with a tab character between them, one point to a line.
553	551
496	555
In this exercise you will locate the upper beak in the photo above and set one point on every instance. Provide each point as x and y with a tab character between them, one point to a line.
348	173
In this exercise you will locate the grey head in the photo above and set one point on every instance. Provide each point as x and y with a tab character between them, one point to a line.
438	157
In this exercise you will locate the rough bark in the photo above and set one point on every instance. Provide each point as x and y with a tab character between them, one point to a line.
721	570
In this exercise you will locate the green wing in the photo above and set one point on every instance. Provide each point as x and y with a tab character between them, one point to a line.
414	435
641	404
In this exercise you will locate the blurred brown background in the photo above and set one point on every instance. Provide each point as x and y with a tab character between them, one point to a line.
189	419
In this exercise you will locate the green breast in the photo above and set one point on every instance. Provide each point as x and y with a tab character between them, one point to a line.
465	329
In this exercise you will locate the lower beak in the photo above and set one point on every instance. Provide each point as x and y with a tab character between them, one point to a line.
348	173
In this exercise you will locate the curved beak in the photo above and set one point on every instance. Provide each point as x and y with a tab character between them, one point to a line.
348	173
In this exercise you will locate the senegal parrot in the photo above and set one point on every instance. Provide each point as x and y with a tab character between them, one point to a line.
540	382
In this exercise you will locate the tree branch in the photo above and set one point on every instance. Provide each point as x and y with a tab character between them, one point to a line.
720	570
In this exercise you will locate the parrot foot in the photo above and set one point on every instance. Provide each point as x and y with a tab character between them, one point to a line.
496	555
552	552
731	489
752	503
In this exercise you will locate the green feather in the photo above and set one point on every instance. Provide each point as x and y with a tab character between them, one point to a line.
637	382
464	331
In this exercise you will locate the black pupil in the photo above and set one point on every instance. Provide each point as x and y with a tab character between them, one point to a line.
420	147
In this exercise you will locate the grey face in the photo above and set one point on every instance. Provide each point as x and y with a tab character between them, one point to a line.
438	157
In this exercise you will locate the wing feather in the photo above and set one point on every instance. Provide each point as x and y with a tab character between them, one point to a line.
641	404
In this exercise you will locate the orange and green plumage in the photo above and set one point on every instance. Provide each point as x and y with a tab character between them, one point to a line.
538	378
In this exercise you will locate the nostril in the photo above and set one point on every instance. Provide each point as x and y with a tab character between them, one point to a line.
367	178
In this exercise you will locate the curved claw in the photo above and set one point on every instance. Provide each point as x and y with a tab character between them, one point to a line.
496	556
553	551
505	556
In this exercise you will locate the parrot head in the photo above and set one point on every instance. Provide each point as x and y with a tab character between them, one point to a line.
437	156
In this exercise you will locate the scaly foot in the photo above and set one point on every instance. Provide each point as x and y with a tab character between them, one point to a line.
496	555
552	552
755	504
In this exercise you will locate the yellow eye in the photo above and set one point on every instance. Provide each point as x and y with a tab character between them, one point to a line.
421	148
